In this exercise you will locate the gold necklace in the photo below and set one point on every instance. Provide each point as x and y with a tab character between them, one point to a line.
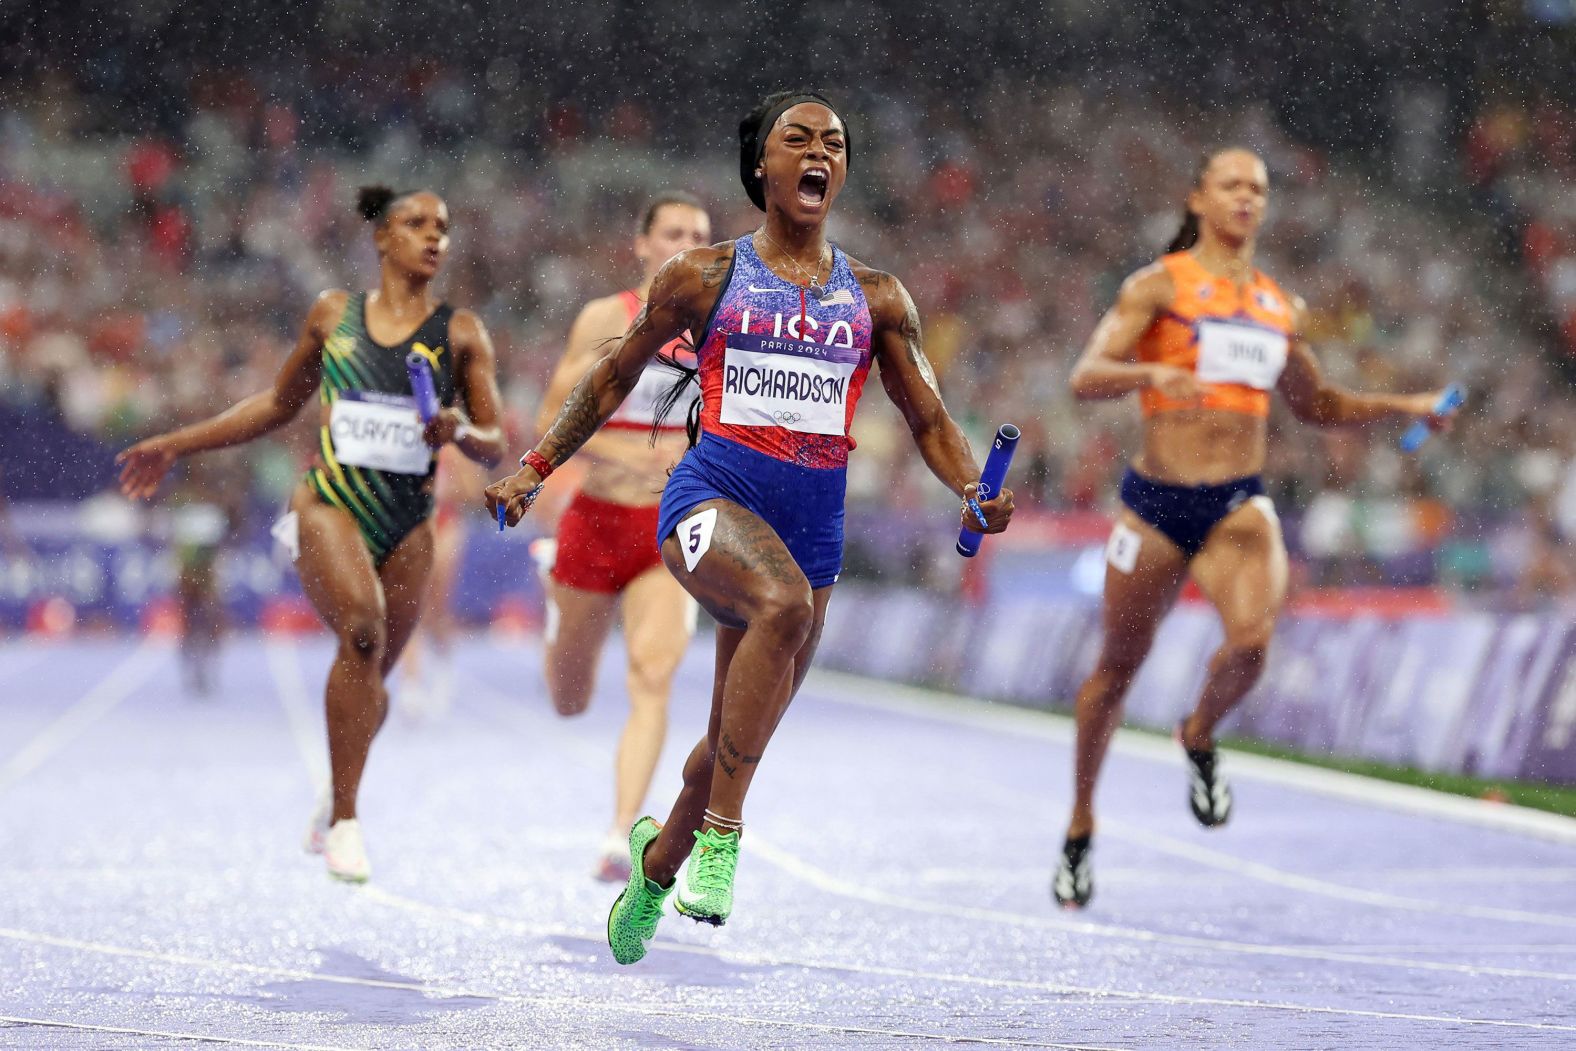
817	290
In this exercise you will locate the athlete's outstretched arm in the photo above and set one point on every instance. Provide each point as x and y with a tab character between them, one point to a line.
480	437
144	465
684	282
1106	368
1314	399
594	331
911	384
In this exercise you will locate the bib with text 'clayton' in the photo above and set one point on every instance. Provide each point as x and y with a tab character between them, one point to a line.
773	381
1229	352
379	431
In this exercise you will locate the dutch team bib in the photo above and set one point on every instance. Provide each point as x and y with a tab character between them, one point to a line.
773	381
1233	353
379	431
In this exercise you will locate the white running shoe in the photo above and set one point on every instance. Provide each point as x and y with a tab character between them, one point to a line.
345	853
317	831
613	865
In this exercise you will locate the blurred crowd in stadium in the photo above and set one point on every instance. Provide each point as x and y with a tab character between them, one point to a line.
158	271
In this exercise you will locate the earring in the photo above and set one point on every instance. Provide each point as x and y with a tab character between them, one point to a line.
759	173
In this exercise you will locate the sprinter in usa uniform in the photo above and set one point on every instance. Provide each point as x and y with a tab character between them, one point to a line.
751	521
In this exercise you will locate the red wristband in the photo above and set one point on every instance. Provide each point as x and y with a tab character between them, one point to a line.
538	463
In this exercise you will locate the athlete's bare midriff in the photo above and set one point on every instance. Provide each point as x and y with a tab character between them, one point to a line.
635	480
1202	447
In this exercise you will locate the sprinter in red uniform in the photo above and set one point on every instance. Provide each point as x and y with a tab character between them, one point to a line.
604	558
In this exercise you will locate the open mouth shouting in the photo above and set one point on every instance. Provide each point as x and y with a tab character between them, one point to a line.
812	187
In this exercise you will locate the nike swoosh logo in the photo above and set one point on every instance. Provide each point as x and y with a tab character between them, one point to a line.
784	291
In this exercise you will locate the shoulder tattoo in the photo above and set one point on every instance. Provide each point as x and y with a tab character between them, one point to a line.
715	272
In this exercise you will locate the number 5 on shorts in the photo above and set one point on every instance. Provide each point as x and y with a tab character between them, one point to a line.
694	535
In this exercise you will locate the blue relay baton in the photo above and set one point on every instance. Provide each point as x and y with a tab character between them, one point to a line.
421	386
992	478
1451	400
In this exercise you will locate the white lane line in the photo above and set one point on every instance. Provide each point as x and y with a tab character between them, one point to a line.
168	1035
1552	948
296	701
1008	797
577	1002
487	921
972	712
803	870
120	683
1257	870
808	873
1472	874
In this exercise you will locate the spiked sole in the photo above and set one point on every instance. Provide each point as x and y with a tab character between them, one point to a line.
699	917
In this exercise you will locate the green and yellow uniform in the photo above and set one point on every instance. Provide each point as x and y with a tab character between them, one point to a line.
372	460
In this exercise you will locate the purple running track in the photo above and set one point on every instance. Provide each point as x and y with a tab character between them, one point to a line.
892	892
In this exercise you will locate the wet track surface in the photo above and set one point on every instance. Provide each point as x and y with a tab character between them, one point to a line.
892	891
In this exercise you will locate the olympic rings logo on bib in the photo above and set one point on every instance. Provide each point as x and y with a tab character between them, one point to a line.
775	381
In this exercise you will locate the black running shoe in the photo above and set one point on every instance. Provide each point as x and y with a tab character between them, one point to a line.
1209	794
1073	884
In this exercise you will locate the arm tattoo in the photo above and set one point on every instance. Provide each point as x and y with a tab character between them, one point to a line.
714	273
875	280
909	330
583	412
577	421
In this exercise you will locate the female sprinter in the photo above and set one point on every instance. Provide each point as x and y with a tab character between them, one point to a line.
358	521
1203	337
604	552
751	519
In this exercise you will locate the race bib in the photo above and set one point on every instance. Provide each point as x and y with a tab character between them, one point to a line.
380	431
1121	551
1233	353
771	381
639	409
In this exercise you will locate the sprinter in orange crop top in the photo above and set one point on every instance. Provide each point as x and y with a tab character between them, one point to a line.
1203	337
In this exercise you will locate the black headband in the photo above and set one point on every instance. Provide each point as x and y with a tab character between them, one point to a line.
752	141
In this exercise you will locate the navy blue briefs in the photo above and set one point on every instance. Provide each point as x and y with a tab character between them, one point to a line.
1186	513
